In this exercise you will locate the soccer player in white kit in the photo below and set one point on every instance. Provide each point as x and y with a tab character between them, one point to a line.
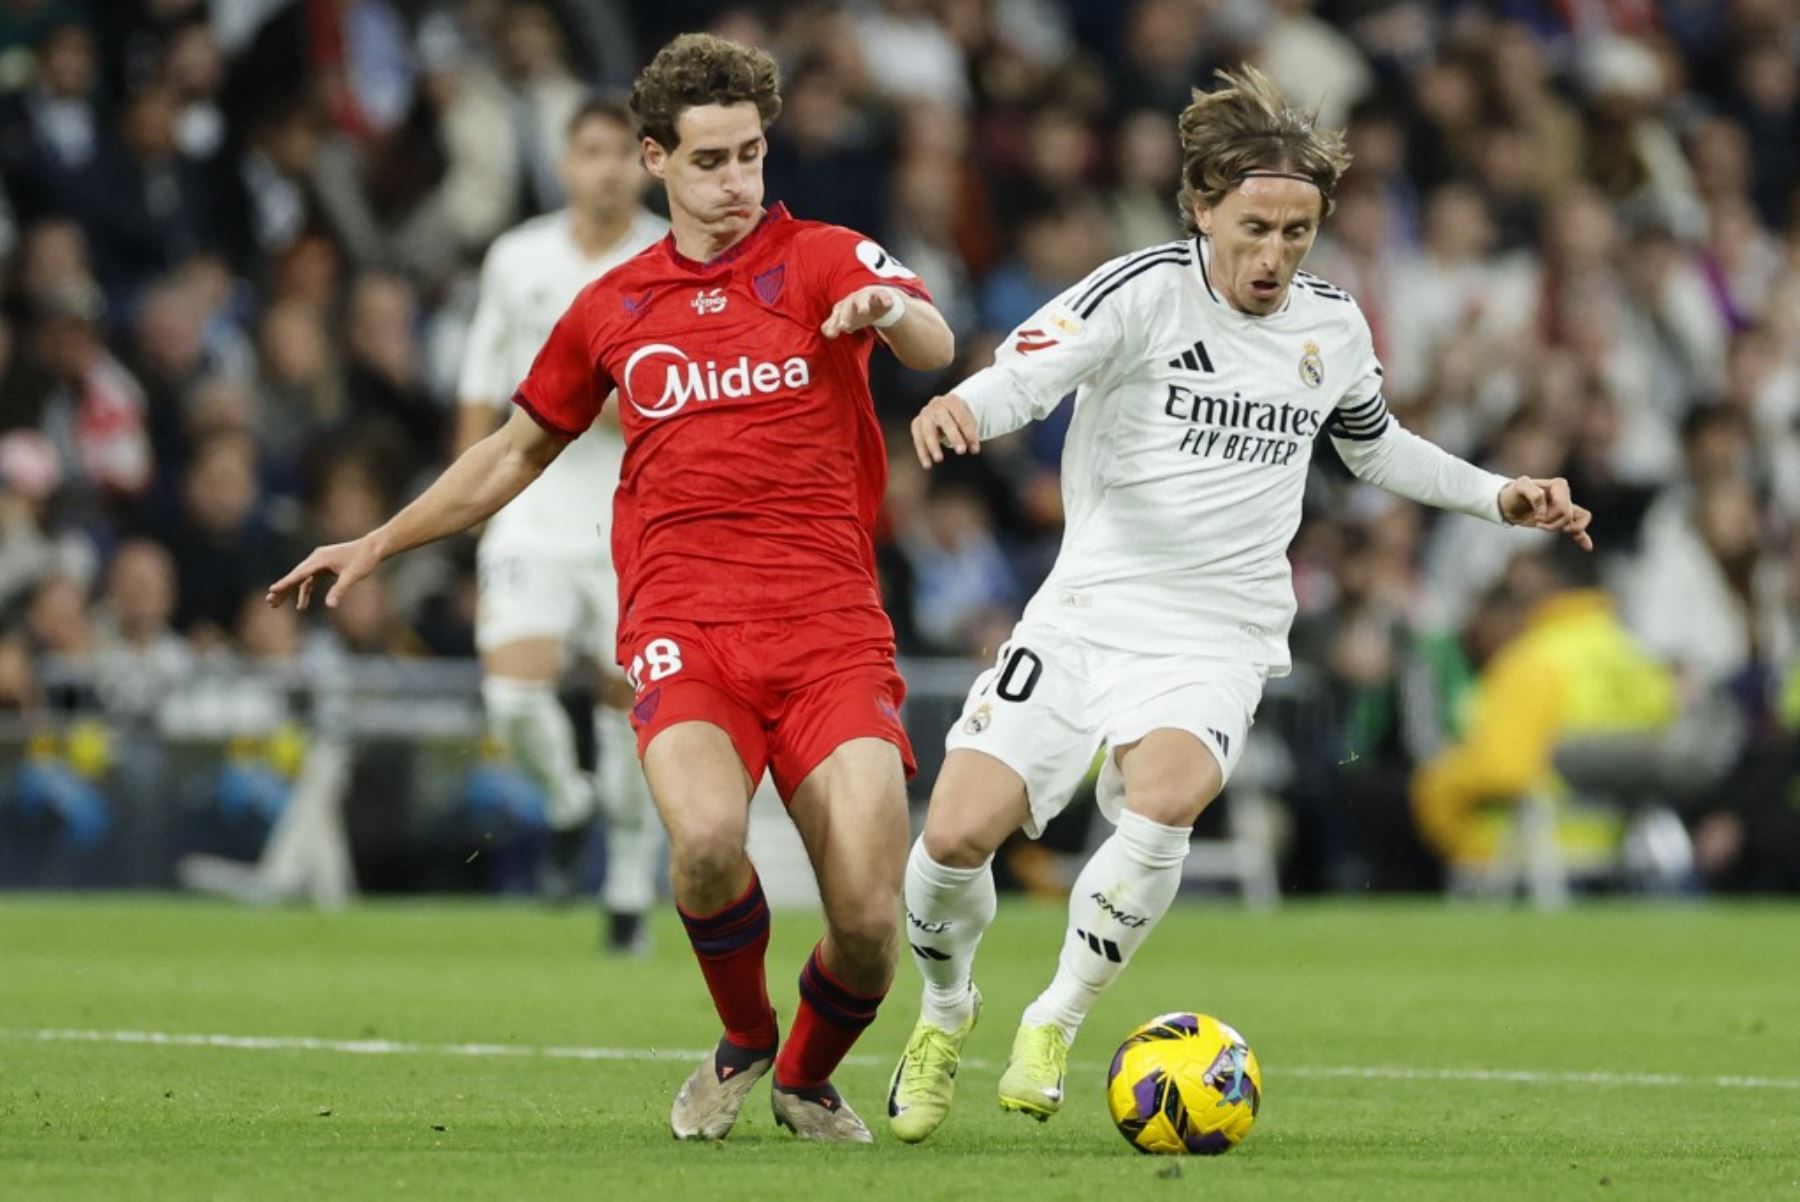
548	592
1202	371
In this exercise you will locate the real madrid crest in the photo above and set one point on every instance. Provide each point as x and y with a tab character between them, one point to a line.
1312	366
978	721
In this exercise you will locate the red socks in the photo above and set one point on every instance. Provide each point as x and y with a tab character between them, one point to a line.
730	946
830	1019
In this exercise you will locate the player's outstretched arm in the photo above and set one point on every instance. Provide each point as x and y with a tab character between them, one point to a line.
945	421
1381	451
471	490
913	329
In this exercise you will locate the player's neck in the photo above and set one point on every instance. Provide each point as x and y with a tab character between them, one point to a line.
595	234
694	241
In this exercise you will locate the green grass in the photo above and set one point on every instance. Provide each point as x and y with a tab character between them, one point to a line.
1696	992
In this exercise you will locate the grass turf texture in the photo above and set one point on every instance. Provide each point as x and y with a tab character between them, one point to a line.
1694	992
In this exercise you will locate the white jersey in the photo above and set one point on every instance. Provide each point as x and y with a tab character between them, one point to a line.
531	274
1186	459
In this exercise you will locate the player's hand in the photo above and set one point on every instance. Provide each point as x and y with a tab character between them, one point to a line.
946	421
1545	505
860	310
349	562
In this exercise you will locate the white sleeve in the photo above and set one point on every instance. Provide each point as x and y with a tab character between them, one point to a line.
1381	451
482	380
1072	340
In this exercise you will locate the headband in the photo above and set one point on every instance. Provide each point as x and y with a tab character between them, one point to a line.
1305	179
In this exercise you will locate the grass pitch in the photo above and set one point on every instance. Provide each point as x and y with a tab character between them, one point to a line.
1409	1051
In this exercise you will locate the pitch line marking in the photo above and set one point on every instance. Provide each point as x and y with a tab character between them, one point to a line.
394	1047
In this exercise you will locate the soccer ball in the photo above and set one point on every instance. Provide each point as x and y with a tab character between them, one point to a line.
1184	1083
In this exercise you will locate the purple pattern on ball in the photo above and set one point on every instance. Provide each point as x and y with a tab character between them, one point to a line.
1210	1143
1117	1064
1144	1094
1186	1022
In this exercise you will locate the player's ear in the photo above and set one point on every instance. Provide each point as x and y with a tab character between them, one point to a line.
1203	215
656	159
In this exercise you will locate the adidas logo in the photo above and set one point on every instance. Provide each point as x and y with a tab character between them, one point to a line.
1221	738
928	953
1101	947
1194	358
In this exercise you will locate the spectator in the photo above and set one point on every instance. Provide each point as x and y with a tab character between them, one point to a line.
140	658
50	131
94	410
141	203
385	379
963	592
542	94
222	548
1573	670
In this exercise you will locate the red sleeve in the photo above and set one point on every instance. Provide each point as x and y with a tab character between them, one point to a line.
566	385
844	260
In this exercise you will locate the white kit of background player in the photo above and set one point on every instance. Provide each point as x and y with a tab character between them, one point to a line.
1202	371
545	560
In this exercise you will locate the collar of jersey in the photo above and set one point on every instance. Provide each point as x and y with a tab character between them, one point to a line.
774	215
1202	264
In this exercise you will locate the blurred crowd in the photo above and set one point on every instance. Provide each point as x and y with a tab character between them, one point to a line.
240	242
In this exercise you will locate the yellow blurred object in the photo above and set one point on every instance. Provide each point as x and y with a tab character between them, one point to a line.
286	750
88	749
1574	670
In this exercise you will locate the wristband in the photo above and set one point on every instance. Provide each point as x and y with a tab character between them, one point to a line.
892	317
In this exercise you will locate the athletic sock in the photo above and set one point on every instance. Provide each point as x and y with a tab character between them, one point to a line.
1118	898
947	910
730	945
531	724
830	1018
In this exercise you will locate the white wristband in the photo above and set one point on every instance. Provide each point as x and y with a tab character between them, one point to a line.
892	317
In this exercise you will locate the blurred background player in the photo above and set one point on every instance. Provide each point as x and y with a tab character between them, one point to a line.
1204	369
743	534
548	593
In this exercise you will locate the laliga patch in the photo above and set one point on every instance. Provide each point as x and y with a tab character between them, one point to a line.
882	263
1066	323
1312	366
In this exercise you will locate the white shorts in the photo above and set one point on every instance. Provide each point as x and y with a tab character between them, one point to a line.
543	597
1052	701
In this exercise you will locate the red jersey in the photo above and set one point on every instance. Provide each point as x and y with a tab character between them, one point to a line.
754	466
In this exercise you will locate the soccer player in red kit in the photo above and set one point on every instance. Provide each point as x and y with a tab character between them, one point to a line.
750	621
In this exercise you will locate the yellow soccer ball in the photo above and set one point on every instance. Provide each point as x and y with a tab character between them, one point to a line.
1184	1083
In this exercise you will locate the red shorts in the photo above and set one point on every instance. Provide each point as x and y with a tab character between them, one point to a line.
789	691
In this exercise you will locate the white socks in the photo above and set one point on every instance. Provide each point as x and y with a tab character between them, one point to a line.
1121	894
532	725
947	910
634	833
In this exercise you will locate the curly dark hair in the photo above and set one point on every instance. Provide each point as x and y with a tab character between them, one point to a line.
701	68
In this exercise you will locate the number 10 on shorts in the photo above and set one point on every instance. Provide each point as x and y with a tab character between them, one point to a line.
661	656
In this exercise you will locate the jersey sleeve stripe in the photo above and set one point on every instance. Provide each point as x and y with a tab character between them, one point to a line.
1130	261
1368	408
1337	431
1365	423
1088	310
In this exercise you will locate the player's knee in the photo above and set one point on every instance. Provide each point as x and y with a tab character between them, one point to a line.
1171	803
955	841
867	933
700	854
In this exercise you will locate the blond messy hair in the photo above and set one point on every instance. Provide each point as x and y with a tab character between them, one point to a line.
1247	126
